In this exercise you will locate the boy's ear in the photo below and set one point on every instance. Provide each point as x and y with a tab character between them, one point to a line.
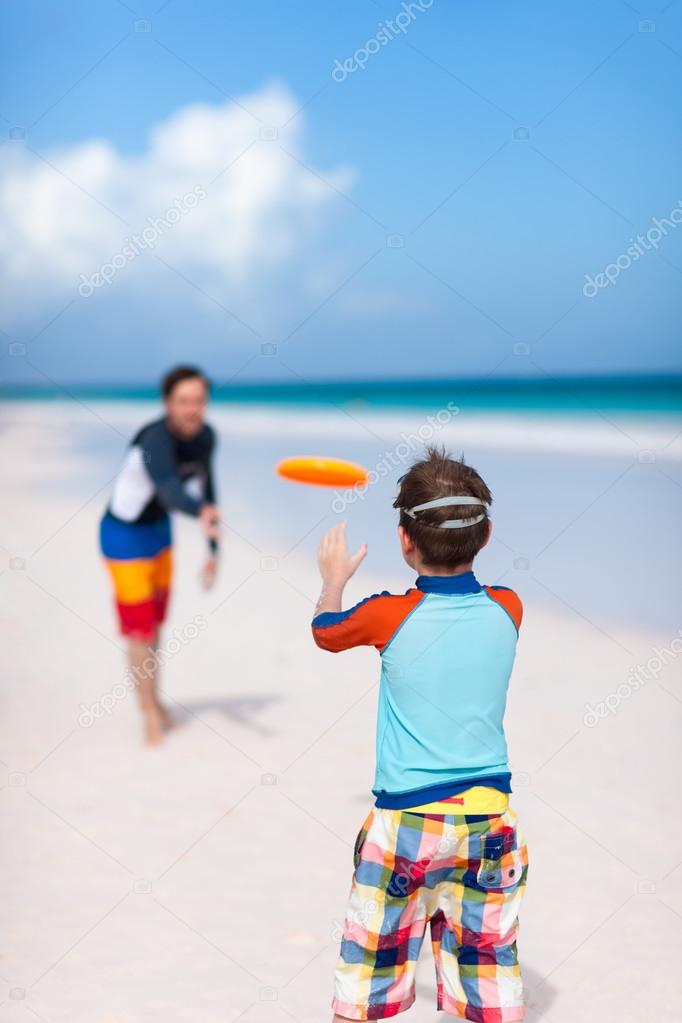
405	542
489	534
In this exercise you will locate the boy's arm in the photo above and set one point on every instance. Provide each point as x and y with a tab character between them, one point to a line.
373	621
336	566
508	601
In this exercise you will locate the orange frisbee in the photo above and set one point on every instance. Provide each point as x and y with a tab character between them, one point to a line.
321	471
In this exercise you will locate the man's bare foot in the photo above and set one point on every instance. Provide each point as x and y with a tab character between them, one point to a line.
153	728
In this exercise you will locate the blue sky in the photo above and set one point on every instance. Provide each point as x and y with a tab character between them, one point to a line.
433	214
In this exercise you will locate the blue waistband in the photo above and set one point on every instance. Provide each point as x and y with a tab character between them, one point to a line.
431	793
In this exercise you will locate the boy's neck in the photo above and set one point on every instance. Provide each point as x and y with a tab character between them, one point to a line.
422	569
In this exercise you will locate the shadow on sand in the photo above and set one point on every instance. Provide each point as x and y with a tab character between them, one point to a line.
244	710
539	994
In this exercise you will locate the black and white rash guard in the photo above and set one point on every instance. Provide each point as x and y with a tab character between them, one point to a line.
163	473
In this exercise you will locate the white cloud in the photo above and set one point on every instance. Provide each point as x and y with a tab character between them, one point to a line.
66	212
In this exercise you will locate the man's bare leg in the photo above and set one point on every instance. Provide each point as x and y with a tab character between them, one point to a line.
167	721
143	665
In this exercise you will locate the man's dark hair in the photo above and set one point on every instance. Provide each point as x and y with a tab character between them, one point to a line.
439	475
180	373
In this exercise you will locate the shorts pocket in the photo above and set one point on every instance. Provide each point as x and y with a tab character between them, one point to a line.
502	862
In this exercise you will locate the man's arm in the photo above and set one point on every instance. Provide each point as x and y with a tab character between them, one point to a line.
157	451
210	487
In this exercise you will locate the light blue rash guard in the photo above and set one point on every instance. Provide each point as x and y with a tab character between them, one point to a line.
447	649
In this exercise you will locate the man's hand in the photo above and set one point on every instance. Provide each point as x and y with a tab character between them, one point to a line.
208	573
209	519
336	565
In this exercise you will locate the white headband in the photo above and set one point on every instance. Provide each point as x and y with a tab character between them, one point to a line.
442	502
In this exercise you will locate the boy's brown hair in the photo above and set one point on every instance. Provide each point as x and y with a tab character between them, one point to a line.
439	475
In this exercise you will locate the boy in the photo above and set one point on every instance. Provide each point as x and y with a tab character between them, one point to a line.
168	467
441	844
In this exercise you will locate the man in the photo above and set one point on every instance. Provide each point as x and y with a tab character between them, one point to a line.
167	468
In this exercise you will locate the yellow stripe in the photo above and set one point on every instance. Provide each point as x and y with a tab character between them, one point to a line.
163	569
138	579
477	799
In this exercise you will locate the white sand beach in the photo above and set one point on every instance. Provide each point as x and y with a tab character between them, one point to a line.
206	881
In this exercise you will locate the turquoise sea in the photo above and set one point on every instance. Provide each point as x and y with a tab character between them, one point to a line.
634	395
586	475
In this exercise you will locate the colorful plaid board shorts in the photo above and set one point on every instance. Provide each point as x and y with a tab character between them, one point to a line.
140	562
465	876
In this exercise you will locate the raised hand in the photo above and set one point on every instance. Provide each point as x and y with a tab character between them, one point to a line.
335	561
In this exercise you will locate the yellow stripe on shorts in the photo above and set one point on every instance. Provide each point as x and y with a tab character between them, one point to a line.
136	580
477	799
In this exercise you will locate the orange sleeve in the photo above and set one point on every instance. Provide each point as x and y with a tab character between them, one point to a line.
372	622
509	601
